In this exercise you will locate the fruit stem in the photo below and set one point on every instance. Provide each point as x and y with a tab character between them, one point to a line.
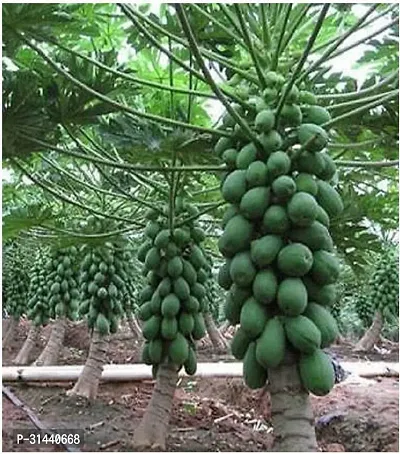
200	213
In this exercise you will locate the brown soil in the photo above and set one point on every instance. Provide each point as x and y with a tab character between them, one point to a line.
208	415
212	415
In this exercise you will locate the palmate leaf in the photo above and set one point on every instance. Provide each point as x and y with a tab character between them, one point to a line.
73	105
353	234
25	218
25	114
142	142
43	18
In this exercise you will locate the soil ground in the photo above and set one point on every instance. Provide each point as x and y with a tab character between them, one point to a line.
208	414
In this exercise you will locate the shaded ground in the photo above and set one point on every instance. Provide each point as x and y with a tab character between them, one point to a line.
124	349
213	415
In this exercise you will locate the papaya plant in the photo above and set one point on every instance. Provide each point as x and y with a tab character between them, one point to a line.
269	67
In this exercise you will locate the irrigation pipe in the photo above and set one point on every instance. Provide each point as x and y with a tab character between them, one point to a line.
139	372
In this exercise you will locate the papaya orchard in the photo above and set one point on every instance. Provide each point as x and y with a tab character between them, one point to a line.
209	175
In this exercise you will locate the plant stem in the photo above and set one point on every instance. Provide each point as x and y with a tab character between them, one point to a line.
122	75
363	144
250	46
265	27
70	233
193	45
359	93
303	59
377	164
364	25
205	211
295	26
282	33
325	56
134	15
79	181
364	40
230	18
215	21
66	199
121	165
362	100
361	109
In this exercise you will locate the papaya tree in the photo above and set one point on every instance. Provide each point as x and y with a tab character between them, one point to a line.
267	69
280	182
15	285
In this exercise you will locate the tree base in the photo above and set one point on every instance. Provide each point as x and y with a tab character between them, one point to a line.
372	336
22	357
151	434
51	352
9	332
291	410
218	342
88	383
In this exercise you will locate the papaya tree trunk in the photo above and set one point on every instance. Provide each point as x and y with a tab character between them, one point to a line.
10	331
219	343
134	326
224	327
51	351
372	336
292	415
30	342
151	433
89	380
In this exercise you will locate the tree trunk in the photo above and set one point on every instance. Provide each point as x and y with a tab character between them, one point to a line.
8	335
29	344
224	327
89	380
51	351
134	326
372	336
151	433
219	343
292	415
340	340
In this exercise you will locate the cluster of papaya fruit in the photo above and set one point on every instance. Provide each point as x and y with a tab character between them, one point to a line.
280	268
38	306
173	301
103	275
384	283
102	285
62	274
364	307
15	281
